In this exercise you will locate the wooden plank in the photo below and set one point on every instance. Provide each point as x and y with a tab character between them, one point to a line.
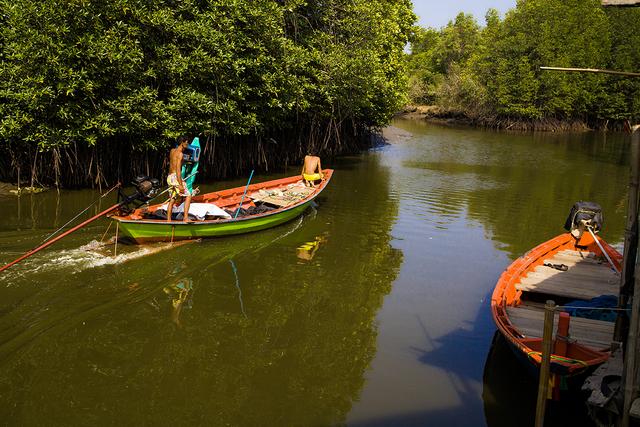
575	256
575	276
534	329
533	280
570	260
580	254
593	333
620	3
585	278
526	312
554	291
561	291
282	198
579	271
274	200
565	287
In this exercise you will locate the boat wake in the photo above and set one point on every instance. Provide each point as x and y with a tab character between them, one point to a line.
99	254
91	255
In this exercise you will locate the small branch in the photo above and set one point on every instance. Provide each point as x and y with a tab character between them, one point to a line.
592	70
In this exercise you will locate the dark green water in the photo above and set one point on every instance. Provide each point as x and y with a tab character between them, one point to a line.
385	322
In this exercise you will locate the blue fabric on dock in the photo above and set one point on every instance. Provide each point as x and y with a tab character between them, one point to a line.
592	309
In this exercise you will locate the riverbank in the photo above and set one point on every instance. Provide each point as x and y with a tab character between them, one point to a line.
444	116
7	189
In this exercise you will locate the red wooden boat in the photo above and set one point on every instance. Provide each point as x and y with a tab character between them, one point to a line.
572	267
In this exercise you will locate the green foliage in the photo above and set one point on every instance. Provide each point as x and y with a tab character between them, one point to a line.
461	91
458	40
92	72
622	99
436	53
502	61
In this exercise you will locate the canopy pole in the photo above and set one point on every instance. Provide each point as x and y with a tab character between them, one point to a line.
592	70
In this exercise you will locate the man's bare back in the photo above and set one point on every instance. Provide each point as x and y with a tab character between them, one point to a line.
312	170
175	162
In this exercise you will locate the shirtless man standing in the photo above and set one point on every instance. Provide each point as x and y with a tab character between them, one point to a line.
177	187
311	170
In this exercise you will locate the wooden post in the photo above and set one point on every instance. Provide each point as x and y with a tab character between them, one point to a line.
630	374
115	245
562	334
545	365
630	241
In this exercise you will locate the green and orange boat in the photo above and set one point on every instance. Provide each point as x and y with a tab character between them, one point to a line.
222	213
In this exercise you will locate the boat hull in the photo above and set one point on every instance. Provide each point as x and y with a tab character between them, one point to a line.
145	232
578	357
140	226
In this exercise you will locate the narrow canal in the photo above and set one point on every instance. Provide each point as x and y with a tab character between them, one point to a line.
371	309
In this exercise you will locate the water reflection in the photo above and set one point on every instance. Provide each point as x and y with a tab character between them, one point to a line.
237	284
180	293
470	202
291	345
519	186
308	250
370	310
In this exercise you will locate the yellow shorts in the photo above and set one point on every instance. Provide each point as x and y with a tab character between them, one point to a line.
312	177
174	187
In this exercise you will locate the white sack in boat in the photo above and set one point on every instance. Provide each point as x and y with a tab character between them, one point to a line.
200	210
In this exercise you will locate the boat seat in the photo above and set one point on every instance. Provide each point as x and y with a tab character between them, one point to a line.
529	320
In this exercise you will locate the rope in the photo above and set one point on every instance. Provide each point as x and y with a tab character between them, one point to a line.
105	233
560	307
560	359
75	217
602	249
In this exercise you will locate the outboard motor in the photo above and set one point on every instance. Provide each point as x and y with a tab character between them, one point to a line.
191	154
145	189
584	215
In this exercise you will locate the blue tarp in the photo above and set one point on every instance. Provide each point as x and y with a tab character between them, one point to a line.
593	309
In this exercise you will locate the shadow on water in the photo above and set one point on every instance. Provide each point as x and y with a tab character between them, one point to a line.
459	353
510	394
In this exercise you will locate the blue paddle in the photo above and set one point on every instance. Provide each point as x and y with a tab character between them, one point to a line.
245	193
